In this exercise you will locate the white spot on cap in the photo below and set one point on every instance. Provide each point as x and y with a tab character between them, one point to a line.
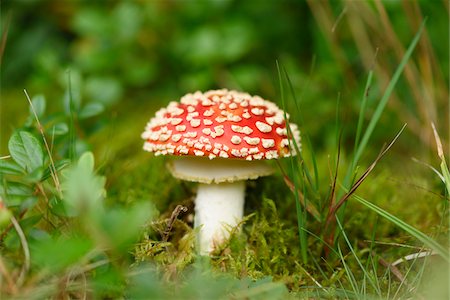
246	115
270	120
206	131
219	130
236	128
253	150
279	118
233	105
175	111
195	122
176	137
236	152
268	143
164	137
281	131
211	156
191	134
257	111
180	128
223	154
271	154
199	153
252	141
199	145
258	156
207	102
220	119
234	118
204	140
207	122
176	121
183	151
190	109
236	140
191	115
239	129
263	127
208	113
284	142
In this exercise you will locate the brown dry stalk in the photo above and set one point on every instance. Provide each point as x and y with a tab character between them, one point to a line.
331	219
176	212
53	171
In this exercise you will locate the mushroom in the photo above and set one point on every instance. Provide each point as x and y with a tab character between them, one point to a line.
221	138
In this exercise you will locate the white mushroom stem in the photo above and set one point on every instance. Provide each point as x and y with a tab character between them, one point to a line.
218	208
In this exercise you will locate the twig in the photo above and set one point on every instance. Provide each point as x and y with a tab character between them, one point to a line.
8	228
179	209
26	250
344	198
41	130
414	256
11	285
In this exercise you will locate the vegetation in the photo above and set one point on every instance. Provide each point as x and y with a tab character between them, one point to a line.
361	213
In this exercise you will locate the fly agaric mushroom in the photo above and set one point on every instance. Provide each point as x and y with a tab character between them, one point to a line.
221	139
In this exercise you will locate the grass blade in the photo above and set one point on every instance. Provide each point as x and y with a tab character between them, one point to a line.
426	240
300	215
387	94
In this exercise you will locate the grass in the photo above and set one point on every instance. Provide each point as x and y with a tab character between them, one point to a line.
111	223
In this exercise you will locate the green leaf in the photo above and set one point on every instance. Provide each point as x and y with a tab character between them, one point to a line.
122	226
59	253
10	167
39	105
14	193
59	165
59	129
82	189
90	110
26	150
35	176
58	208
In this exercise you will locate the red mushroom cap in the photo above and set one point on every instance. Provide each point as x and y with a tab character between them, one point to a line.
220	124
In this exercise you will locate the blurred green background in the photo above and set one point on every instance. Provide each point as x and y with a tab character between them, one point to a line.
105	67
134	56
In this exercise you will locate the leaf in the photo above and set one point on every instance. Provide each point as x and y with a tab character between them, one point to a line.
83	190
59	129
122	226
35	176
10	167
15	193
90	110
39	105
59	165
26	150
59	253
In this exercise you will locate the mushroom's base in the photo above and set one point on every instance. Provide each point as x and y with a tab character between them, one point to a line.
218	208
